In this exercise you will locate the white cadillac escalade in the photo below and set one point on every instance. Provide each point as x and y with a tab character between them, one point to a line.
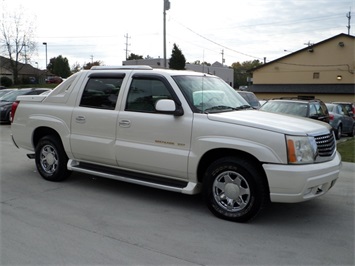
181	131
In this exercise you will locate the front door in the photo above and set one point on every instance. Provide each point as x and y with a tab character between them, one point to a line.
149	141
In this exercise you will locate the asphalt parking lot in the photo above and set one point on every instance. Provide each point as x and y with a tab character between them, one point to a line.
93	221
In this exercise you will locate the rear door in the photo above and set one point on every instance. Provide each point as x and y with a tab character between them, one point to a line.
346	119
94	119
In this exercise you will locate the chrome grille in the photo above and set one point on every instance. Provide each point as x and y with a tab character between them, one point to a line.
325	144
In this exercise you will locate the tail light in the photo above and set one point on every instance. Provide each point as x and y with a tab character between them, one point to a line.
13	110
331	117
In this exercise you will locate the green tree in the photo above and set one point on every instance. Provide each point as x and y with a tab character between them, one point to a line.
177	59
59	66
134	57
242	72
91	64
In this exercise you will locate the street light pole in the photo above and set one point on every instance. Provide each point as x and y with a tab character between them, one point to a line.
166	7
45	44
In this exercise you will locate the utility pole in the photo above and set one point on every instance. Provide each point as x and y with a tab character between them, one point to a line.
127	44
45	44
25	45
349	18
166	7
223	60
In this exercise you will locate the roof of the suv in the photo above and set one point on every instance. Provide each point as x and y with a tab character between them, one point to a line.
137	68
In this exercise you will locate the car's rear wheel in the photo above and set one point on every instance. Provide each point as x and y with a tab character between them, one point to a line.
51	159
338	132
234	189
352	133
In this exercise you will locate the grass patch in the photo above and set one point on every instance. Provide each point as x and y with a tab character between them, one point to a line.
347	150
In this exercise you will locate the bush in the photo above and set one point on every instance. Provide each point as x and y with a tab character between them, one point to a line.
5	81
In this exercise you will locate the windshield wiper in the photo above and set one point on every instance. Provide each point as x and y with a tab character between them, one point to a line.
242	107
219	108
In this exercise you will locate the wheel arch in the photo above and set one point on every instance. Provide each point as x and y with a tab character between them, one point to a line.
215	154
40	132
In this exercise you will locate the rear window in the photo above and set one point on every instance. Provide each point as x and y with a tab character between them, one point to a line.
292	108
101	92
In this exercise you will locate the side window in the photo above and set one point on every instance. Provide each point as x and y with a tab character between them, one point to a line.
101	93
312	110
340	111
144	93
345	110
323	109
319	110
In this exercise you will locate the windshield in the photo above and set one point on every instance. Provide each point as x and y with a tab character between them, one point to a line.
210	94
4	92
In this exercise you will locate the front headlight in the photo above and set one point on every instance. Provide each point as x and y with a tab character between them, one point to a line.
301	150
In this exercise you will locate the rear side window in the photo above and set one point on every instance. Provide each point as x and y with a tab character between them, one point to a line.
101	92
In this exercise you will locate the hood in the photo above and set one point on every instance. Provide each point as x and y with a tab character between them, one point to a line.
286	124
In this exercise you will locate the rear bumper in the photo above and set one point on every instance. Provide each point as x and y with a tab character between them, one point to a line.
297	183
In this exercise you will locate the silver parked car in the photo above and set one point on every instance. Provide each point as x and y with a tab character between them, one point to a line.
341	120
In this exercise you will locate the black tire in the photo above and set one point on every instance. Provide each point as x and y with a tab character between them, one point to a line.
352	133
338	132
234	189
51	159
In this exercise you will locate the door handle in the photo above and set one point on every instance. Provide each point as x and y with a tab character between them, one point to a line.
80	119
124	123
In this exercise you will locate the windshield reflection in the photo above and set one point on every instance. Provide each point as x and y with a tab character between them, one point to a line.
210	94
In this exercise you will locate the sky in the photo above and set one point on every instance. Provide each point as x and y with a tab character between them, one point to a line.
204	30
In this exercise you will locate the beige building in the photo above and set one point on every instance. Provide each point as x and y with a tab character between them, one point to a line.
324	70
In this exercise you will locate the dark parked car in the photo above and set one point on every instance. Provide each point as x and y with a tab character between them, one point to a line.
7	100
341	120
250	98
350	108
299	106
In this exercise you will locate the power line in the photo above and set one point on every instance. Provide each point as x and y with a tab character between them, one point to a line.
216	43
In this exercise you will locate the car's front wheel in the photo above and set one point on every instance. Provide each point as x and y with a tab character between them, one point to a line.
234	189
51	159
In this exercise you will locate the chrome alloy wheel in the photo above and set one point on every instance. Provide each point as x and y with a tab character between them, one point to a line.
231	191
49	159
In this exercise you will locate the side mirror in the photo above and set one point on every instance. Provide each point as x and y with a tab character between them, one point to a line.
351	114
167	106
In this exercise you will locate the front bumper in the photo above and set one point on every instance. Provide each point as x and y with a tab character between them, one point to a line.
297	183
